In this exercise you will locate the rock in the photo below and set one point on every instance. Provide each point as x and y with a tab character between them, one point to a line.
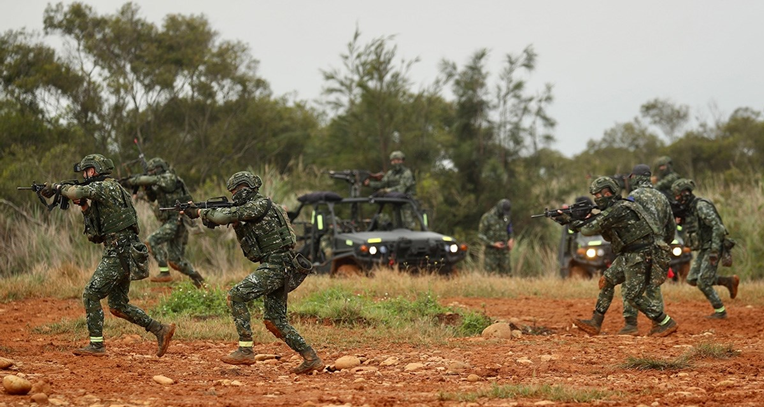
347	362
516	333
544	403
42	386
40	398
524	360
545	358
165	381
5	363
726	383
458	367
413	366
499	330
16	385
391	361
473	378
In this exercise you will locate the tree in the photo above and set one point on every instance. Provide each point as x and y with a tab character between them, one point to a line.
665	115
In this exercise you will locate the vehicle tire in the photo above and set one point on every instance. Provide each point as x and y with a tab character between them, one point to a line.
348	270
682	271
578	272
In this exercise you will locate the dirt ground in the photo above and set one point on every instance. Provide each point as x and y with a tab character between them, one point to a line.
566	357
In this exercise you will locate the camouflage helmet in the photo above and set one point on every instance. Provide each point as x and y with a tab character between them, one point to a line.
664	160
397	155
503	206
683	184
101	164
244	177
605	182
157	162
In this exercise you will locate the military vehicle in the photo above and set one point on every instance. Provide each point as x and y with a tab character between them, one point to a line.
343	236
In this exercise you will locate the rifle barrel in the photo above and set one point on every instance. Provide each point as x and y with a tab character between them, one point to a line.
24	188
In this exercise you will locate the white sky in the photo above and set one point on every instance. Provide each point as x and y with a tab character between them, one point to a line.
604	58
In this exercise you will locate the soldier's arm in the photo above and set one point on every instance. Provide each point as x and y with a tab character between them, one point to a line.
81	191
482	227
383	183
143	180
604	221
223	216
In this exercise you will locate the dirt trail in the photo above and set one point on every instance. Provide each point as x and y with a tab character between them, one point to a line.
567	357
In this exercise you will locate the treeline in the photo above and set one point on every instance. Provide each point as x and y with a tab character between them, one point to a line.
197	100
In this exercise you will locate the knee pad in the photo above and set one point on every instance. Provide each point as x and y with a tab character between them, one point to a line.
601	282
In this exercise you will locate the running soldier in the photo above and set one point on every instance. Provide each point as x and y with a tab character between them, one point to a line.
495	231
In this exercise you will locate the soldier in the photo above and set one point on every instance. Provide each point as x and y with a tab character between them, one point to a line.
397	179
496	233
711	233
266	237
659	216
110	219
639	262
665	175
168	243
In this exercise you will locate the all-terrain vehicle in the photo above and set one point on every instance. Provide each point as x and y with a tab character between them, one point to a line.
342	236
589	256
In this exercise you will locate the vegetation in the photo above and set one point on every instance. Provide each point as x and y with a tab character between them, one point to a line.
545	392
703	350
178	86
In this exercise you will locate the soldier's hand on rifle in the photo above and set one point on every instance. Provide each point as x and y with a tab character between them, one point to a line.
499	245
366	182
192	211
562	218
50	190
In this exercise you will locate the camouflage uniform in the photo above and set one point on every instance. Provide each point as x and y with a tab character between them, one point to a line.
659	216
111	219
266	237
665	177
397	179
711	233
495	226
640	261
168	243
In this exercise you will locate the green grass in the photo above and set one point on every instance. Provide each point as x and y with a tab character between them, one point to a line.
710	350
705	350
545	392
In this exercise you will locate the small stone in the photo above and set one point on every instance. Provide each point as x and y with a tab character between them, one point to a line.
16	385
266	356
516	333
347	362
5	363
458	367
544	403
165	381
42	386
545	358
391	361
473	378
413	366
499	330
39	398
524	360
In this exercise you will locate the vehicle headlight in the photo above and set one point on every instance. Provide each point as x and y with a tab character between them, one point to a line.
591	253
453	248
383	249
373	250
601	252
677	251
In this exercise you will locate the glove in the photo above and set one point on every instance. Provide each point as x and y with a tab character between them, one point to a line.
192	212
563	218
50	190
713	257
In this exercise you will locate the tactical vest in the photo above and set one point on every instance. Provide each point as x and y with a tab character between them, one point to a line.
167	196
652	205
623	237
113	214
271	233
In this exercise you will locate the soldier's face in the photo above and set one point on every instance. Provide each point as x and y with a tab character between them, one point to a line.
237	188
396	161
88	172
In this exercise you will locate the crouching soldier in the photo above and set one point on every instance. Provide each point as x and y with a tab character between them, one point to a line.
266	237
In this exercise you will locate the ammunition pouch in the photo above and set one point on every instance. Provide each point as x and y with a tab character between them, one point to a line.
139	254
299	268
726	256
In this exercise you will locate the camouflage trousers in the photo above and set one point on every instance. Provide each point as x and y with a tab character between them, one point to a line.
168	245
633	272
111	280
497	261
704	275
271	280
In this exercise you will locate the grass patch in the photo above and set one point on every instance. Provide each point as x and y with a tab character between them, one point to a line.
186	299
652	363
713	351
545	391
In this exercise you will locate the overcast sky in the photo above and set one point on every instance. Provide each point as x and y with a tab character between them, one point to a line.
604	58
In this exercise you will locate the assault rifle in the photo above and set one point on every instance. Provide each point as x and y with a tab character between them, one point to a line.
58	199
217	202
355	178
578	211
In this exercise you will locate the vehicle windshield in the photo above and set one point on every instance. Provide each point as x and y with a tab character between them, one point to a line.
362	216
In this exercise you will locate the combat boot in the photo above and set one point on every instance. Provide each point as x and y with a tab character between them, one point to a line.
241	356
93	349
663	330
630	327
311	362
161	278
164	334
197	280
718	315
590	326
731	283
